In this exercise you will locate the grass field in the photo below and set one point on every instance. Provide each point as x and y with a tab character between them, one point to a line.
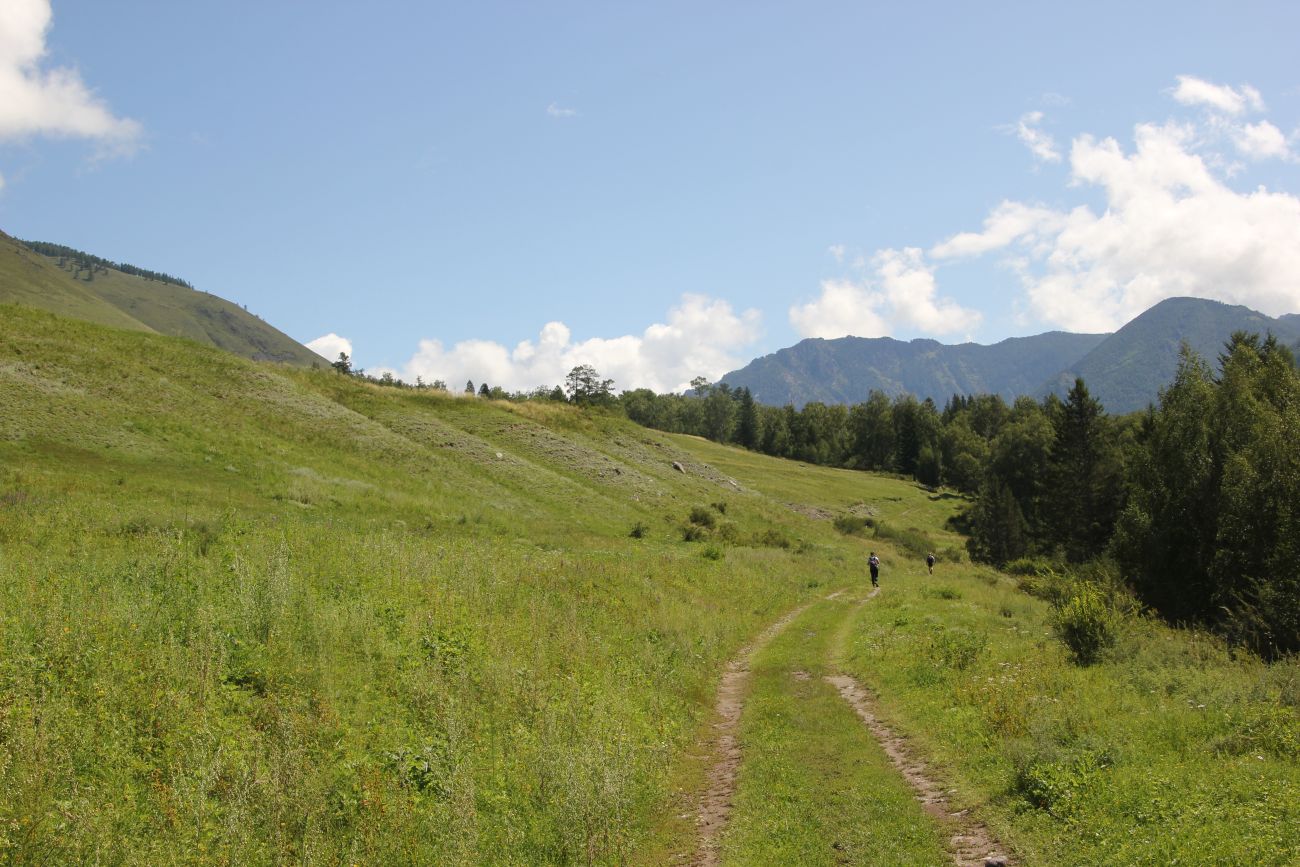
256	615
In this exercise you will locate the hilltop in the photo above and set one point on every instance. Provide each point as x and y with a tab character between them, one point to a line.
1124	370
72	283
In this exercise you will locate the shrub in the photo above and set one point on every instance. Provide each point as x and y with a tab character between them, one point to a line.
702	517
853	525
728	532
712	552
721	506
772	538
1085	624
951	554
692	533
911	540
639	530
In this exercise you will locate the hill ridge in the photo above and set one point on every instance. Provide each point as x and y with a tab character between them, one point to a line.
1124	369
137	299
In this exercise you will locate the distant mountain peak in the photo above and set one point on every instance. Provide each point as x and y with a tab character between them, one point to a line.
1125	370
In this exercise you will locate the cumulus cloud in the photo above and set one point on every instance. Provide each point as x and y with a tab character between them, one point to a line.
1170	227
844	308
329	346
837	252
900	291
701	338
1261	141
554	110
51	102
1220	97
1040	144
1009	222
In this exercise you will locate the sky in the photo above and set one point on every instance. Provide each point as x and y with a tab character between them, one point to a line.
500	191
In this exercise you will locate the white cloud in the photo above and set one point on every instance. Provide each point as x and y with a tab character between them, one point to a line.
1261	141
1040	144
329	346
2	183
1009	222
1170	227
554	110
909	285
844	308
52	102
700	338
837	252
902	291
1221	97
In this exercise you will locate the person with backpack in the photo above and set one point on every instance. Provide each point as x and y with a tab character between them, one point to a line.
874	562
929	562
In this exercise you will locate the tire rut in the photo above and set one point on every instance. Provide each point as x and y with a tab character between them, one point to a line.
715	805
970	843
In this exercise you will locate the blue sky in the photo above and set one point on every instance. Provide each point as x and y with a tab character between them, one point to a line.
499	191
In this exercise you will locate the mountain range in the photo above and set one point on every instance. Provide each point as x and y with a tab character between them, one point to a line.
1125	370
82	286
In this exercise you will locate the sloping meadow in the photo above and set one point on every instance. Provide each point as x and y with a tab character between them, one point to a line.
255	615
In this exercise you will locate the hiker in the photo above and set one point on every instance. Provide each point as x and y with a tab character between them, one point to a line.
929	562
874	562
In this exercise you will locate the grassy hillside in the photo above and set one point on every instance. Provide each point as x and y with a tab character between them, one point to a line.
251	614
27	277
123	300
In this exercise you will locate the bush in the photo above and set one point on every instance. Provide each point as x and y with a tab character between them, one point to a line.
853	525
951	554
639	530
692	533
911	540
712	552
772	538
702	517
728	532
1085	624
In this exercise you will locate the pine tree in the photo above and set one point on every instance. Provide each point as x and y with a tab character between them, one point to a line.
1086	481
747	433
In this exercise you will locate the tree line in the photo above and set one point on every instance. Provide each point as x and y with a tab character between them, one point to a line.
1194	503
80	261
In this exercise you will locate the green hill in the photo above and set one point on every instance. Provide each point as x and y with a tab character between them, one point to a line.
256	614
87	287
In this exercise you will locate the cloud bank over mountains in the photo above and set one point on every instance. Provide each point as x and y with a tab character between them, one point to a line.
1171	226
702	337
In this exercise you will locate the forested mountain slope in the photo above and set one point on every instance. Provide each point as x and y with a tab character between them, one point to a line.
847	369
1124	370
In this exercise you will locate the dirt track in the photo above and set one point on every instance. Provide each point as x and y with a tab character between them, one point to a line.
969	842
